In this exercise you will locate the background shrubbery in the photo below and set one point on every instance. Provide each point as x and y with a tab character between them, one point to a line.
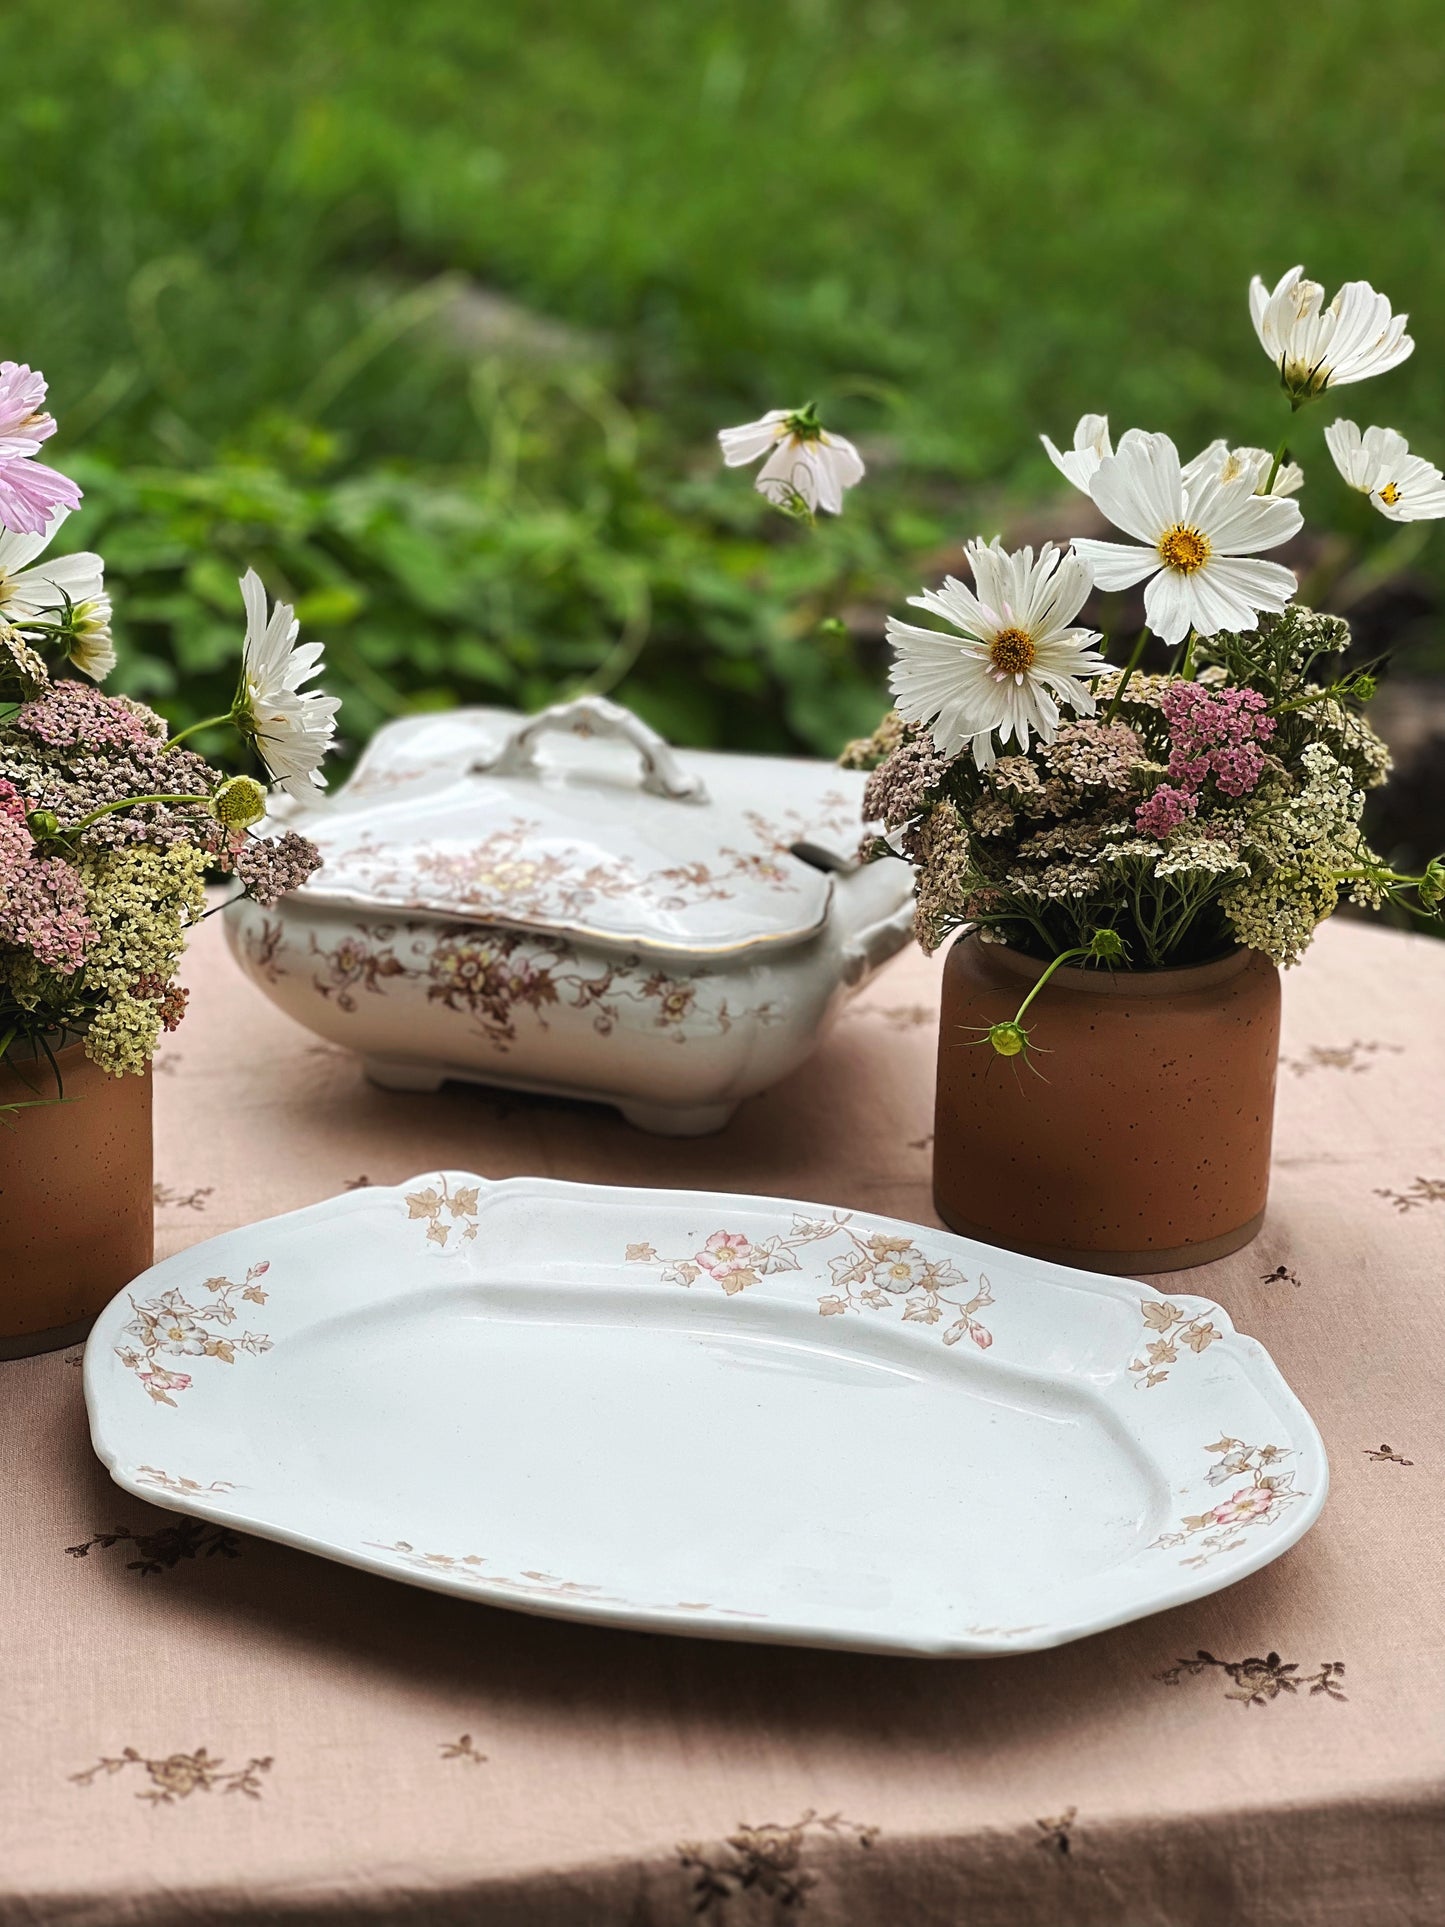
246	240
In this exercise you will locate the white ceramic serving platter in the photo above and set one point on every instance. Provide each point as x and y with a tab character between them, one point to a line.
700	1413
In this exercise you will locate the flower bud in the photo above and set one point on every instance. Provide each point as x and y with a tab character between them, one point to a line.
1008	1039
1431	887
239	802
1106	945
43	823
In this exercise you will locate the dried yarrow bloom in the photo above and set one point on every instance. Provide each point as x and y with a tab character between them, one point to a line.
939	848
907	779
867	752
42	899
271	867
1095	755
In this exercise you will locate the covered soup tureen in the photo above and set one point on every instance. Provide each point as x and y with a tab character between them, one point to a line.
565	904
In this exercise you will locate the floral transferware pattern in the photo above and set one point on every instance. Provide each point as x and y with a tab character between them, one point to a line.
498	978
513	874
170	1326
1259	1681
876	1271
767	1858
471	1567
183	1488
446	1211
1172	1327
1259	1501
180	1775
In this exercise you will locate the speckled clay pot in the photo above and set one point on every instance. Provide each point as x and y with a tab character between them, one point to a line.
1144	1145
76	1209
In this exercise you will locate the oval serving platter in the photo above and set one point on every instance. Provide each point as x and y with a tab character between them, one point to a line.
700	1413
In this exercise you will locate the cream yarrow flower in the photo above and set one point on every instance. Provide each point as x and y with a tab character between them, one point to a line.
1316	347
292	729
1019	657
1379	464
1199	541
807	467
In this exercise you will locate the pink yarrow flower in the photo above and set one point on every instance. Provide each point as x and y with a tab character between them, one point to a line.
1217	733
30	493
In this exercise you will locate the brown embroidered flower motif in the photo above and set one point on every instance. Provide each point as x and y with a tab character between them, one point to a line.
1337	1057
1281	1275
1259	1681
767	1858
1387	1452
180	1775
163	1549
163	1195
1058	1833
462	1749
1422	1192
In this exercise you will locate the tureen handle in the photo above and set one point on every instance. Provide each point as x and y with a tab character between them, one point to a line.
662	773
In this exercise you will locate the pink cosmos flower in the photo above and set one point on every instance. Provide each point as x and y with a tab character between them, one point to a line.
30	492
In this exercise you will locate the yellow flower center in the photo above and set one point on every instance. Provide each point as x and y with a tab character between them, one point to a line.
1389	495
1184	549
1012	651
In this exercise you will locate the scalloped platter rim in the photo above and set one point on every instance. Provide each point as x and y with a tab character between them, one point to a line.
703	1413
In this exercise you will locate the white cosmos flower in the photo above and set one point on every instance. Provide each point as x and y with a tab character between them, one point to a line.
1227	464
1199	541
292	729
28	592
1315	348
1379	464
1091	446
1017	660
805	463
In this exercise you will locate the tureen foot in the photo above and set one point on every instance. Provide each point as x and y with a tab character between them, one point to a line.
672	1120
394	1074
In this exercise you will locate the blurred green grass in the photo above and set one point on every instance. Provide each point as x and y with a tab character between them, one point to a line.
230	223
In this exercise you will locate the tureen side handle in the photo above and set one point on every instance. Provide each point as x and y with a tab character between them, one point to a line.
662	773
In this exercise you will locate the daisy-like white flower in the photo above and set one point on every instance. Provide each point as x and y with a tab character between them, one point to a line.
1379	464
1227	464
29	491
1199	541
1315	347
1018	658
76	581
807	467
1091	446
292	728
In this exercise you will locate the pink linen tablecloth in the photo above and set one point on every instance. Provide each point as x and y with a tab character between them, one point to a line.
197	1727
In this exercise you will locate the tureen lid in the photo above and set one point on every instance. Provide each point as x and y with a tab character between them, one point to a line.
582	821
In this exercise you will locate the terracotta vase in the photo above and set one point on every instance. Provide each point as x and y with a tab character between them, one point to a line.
76	1205
1144	1143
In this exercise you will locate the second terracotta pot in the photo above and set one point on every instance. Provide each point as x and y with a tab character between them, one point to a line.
76	1204
1143	1145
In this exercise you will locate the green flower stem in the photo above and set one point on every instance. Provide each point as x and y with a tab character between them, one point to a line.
1129	668
1064	956
210	722
127	803
1279	455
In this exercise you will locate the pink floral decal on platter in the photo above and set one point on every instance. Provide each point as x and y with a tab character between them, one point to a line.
876	1271
1172	1327
1259	1499
169	1326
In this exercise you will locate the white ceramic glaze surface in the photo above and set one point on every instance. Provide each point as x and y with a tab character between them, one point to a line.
565	904
706	1414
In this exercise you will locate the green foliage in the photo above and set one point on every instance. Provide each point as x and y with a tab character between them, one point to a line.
232	226
692	601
